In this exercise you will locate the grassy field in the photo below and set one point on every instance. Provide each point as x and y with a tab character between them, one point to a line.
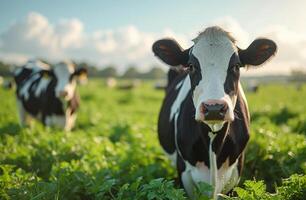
113	153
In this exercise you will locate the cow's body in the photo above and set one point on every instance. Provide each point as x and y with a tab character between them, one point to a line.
204	121
37	97
187	142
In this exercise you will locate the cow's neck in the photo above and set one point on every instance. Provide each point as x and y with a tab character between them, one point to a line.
213	163
216	141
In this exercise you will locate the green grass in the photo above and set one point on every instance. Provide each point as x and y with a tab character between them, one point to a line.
113	153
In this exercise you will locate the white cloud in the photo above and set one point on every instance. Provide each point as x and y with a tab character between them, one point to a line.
30	37
231	25
291	44
69	33
35	36
291	50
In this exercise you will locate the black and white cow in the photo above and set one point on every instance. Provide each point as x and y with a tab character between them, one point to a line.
48	95
204	120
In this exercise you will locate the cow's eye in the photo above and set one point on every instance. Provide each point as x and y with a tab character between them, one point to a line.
190	68
236	67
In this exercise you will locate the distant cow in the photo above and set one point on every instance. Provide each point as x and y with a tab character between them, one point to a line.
130	85
253	88
48	95
203	124
8	84
111	82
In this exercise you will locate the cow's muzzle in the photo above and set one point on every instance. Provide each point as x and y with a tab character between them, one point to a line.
63	94
214	112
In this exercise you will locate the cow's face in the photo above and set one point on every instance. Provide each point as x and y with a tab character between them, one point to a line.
66	79
213	64
214	73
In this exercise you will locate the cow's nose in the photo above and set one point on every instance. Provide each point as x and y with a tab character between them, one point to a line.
214	110
63	94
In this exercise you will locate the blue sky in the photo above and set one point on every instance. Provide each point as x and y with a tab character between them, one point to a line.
109	20
153	15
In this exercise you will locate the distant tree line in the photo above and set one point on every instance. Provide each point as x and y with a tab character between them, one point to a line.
298	75
132	72
5	69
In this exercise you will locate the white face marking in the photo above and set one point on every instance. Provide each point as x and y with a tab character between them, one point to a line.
214	57
63	72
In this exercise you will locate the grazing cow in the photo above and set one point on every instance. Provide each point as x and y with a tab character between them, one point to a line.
253	88
111	82
204	120
8	84
48	95
130	85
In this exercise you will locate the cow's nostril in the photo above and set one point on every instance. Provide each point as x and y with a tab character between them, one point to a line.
223	110
214	111
204	108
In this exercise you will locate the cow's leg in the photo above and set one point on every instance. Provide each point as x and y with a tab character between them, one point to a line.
185	177
70	121
180	166
58	121
213	168
188	183
23	116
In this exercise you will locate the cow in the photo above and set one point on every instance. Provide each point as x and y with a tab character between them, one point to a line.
48	94
203	125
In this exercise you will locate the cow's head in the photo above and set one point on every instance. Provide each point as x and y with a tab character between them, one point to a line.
213	64
66	79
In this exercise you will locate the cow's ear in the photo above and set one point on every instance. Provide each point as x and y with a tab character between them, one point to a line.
169	51
81	74
259	51
46	74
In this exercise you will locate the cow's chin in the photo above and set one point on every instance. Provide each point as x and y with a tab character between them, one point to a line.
215	126
65	98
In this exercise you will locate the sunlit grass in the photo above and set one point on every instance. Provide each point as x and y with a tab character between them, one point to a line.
113	152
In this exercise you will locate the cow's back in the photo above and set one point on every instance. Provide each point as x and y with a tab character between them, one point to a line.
36	93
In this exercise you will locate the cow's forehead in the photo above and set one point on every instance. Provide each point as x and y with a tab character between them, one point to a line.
214	46
213	50
64	68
